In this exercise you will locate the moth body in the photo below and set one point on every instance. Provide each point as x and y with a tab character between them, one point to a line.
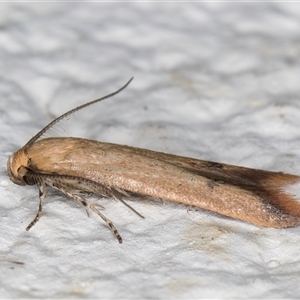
75	166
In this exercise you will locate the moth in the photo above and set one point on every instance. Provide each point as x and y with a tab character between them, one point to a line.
76	166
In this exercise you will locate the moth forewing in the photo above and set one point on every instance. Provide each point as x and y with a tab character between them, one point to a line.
76	165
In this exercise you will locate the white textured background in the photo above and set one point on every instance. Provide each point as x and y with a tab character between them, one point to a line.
217	81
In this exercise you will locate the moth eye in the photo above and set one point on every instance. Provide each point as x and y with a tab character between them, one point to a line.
25	179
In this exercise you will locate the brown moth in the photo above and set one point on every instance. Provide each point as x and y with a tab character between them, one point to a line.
75	166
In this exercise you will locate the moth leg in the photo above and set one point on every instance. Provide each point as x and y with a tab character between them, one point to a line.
107	221
81	200
92	206
88	204
130	207
42	195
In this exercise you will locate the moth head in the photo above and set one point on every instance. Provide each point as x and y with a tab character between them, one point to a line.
16	167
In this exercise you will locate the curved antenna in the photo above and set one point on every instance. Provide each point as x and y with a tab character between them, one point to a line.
42	132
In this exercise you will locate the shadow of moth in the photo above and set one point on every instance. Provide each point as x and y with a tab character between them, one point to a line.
75	166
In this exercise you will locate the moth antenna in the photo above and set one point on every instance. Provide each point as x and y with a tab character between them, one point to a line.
45	129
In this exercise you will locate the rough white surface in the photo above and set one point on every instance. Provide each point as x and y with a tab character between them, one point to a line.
217	81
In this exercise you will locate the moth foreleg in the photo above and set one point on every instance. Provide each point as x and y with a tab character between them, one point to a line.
42	195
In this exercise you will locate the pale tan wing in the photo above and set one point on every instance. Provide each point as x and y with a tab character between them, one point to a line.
170	177
223	172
